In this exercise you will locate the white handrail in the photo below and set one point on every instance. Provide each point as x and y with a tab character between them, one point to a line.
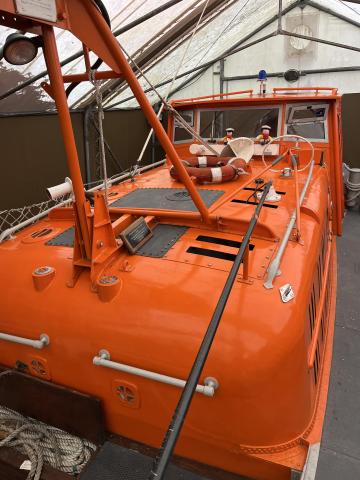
103	360
273	270
44	340
7	233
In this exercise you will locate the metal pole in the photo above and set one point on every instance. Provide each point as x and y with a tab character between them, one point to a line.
319	40
130	77
52	63
200	67
280	16
78	54
175	427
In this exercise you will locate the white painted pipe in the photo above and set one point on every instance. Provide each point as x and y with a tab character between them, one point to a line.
8	232
60	190
103	360
273	270
38	344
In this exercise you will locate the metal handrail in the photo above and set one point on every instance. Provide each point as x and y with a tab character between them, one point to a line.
177	102
319	309
8	233
273	270
176	424
333	91
103	359
44	340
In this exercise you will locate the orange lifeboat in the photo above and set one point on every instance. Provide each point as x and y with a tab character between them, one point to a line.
163	293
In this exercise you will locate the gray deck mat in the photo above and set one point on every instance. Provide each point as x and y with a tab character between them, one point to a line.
165	199
114	462
64	239
164	237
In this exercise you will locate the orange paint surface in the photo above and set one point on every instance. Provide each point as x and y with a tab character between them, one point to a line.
270	405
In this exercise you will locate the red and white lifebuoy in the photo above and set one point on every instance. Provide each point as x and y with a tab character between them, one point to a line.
213	169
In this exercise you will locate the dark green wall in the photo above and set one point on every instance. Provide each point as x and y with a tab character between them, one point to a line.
351	129
33	156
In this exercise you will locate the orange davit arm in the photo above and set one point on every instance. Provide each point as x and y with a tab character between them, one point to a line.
83	19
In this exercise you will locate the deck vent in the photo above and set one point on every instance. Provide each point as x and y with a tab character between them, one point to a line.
222	241
250	202
250	189
41	233
206	252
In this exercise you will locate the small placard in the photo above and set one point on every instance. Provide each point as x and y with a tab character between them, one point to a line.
136	235
42	9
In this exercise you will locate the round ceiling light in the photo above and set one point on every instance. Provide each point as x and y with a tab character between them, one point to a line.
19	49
301	43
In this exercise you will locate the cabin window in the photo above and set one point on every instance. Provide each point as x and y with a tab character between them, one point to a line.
308	121
246	122
180	133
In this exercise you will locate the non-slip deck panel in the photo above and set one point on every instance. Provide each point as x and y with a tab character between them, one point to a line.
64	239
164	237
115	462
165	199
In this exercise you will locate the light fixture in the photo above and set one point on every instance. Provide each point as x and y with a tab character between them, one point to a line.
292	75
20	49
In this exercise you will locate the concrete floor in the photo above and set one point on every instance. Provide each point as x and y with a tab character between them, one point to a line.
340	448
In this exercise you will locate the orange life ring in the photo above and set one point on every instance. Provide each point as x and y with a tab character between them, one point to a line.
213	169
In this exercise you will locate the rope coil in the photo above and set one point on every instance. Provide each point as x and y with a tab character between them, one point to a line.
43	444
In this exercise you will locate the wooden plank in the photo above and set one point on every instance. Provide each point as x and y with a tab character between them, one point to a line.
76	413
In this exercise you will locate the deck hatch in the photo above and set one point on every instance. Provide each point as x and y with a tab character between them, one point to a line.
164	237
165	199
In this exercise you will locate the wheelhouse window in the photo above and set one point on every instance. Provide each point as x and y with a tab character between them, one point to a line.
180	133
246	122
308	121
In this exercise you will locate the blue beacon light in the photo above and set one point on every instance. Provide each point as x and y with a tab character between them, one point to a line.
262	77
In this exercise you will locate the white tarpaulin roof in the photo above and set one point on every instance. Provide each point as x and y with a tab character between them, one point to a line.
220	34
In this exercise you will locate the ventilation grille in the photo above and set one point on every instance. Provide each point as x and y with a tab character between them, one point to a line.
314	300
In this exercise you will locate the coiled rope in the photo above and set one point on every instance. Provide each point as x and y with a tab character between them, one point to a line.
43	444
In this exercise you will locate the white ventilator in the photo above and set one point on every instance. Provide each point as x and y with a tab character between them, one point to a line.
60	190
243	147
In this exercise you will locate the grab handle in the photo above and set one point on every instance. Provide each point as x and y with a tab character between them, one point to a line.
44	340
103	360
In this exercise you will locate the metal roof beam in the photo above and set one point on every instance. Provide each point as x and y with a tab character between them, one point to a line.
238	44
182	26
78	54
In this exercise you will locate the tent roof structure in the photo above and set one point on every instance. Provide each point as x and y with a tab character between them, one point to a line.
182	38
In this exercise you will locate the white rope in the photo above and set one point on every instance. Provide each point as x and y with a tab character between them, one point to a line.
15	216
100	111
43	444
138	161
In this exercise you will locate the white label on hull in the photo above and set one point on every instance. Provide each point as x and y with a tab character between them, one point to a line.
287	293
42	9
